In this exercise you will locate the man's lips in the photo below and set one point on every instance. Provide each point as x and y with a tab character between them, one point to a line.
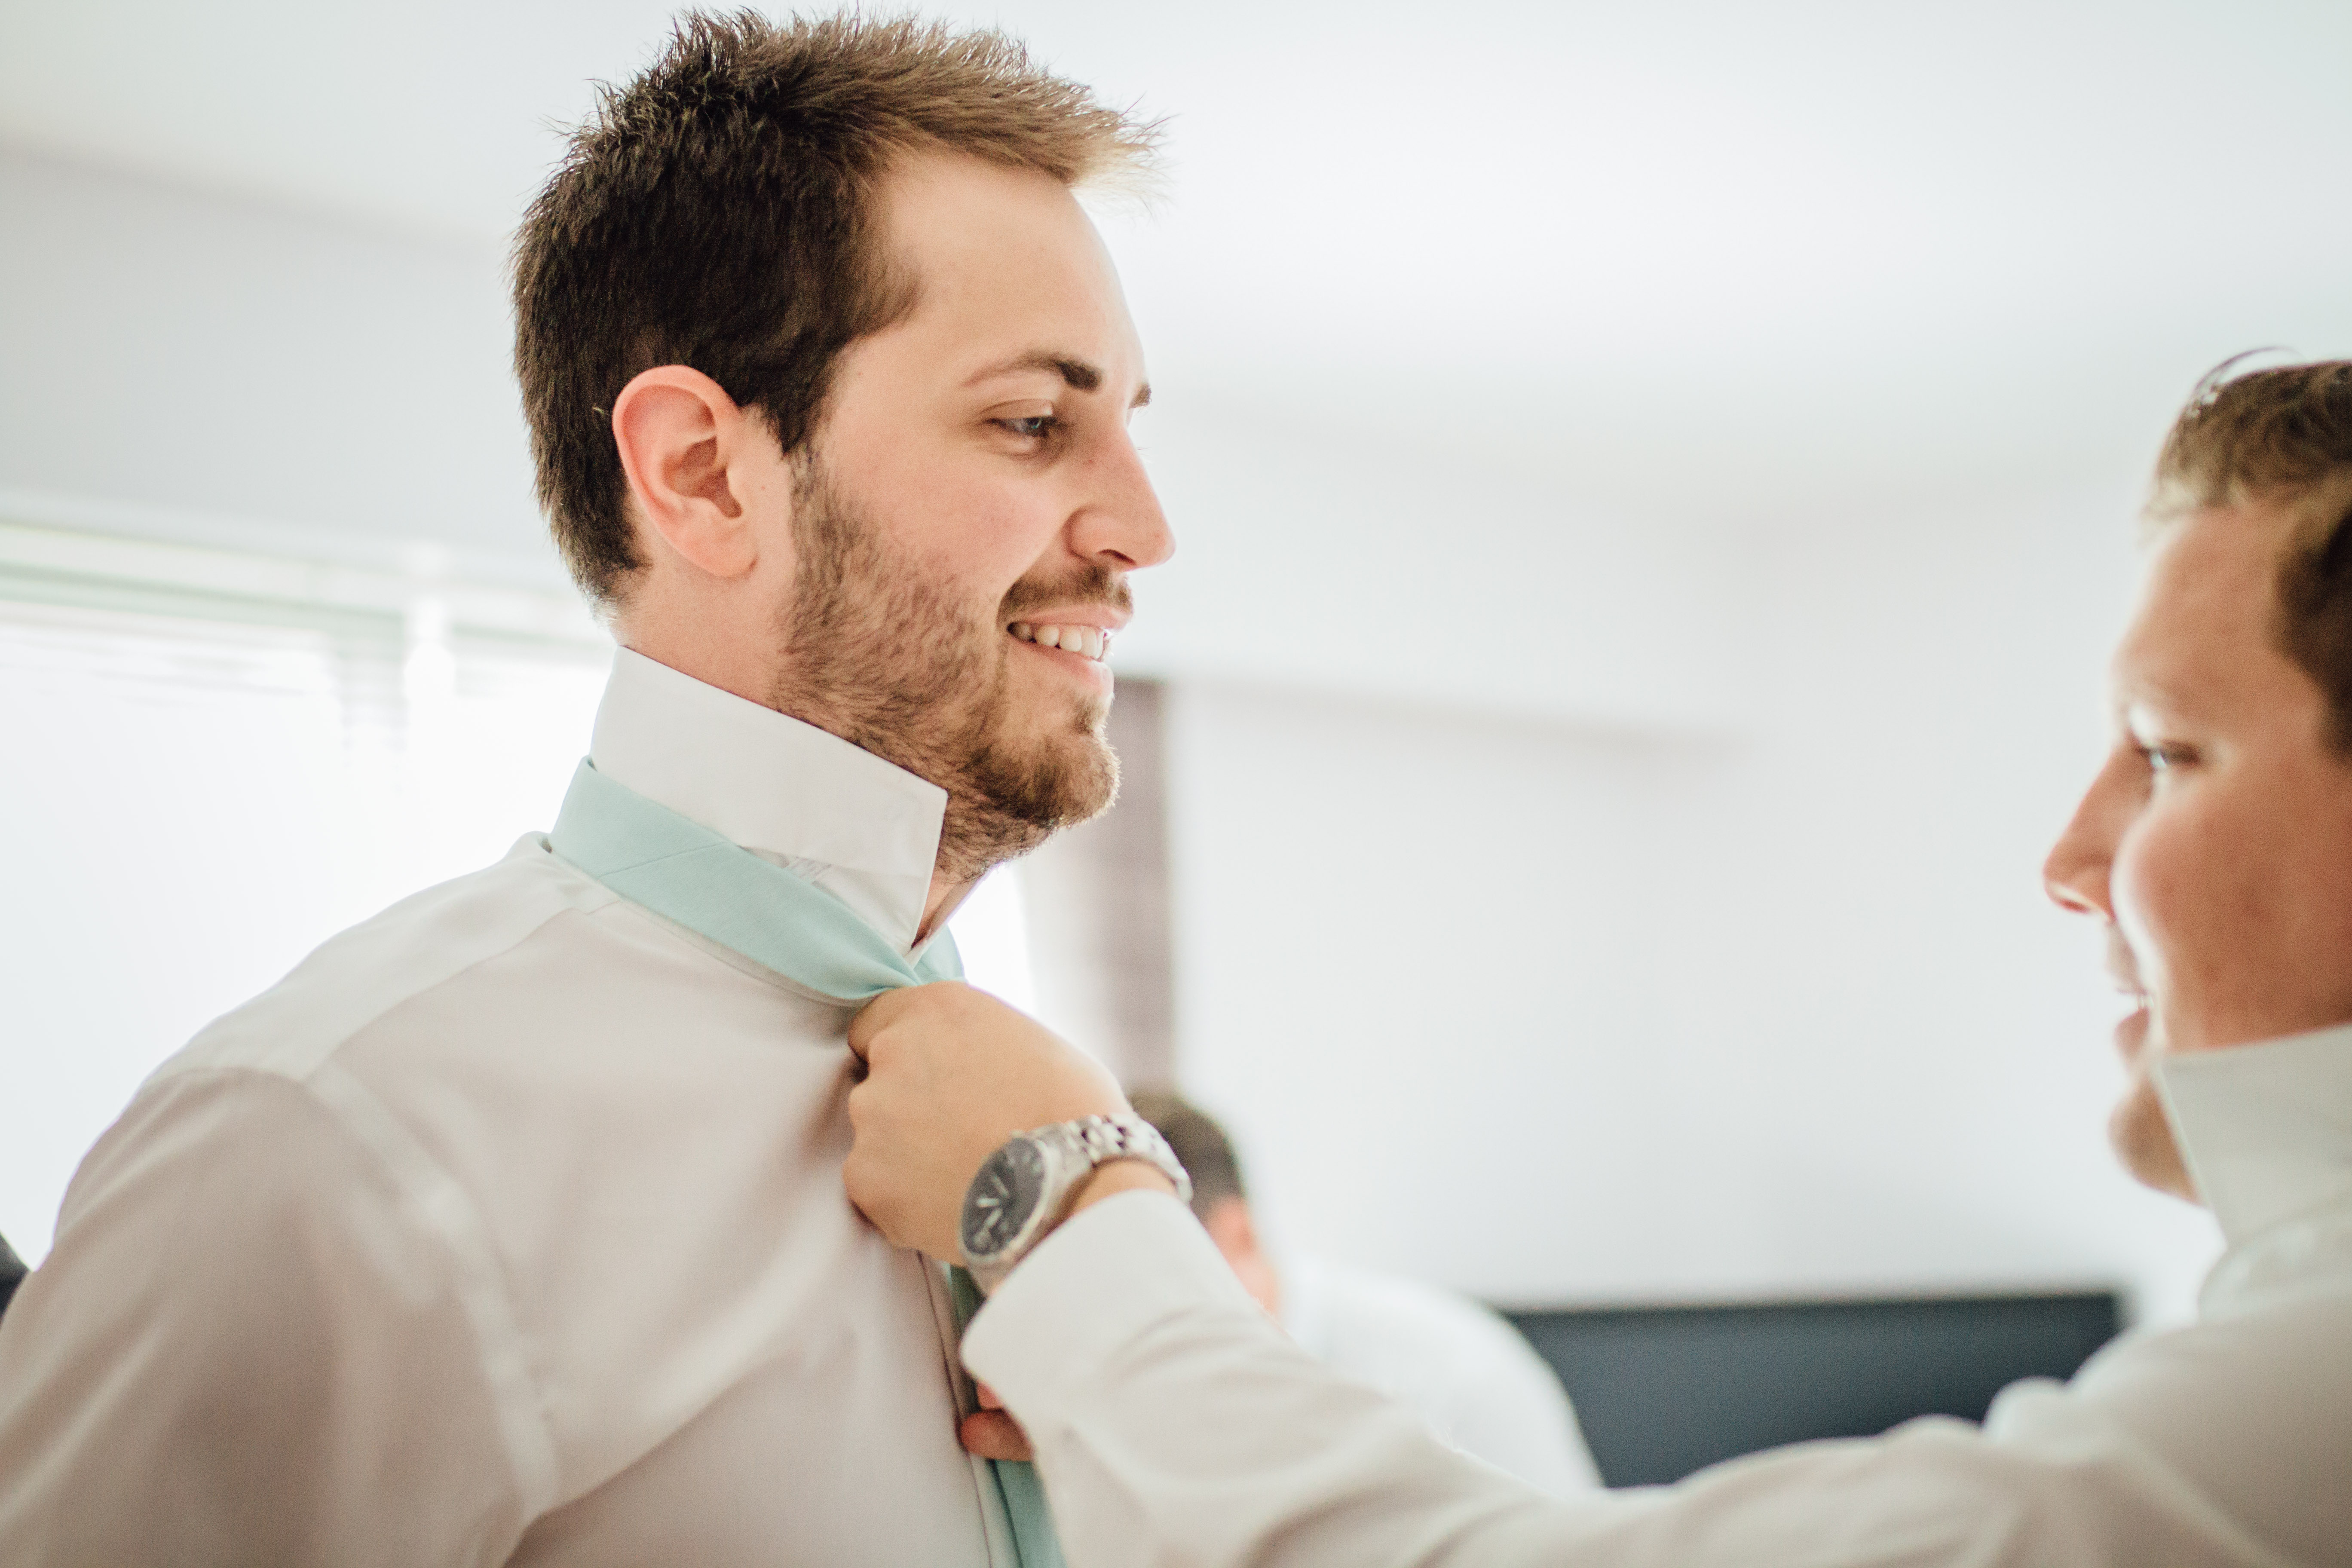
2123	974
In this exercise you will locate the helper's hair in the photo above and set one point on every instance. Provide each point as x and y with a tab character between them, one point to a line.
2281	437
719	212
1200	1146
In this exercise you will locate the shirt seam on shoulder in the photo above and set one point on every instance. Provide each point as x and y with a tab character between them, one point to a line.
436	1207
440	1205
327	1051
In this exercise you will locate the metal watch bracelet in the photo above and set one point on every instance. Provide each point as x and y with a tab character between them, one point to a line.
1068	1151
1130	1137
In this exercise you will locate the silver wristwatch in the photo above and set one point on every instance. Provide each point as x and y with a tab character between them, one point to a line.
1024	1188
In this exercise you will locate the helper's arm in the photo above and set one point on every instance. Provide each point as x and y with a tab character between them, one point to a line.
1175	1425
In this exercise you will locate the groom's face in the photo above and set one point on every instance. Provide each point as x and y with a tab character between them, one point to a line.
971	499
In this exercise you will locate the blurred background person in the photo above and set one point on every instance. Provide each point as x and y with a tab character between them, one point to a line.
11	1272
1459	1366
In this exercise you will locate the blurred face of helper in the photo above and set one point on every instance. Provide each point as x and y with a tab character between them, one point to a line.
2215	843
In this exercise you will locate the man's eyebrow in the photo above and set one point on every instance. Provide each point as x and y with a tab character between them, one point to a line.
2166	691
1076	373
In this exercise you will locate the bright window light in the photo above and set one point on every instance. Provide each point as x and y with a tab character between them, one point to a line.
197	805
992	935
201	788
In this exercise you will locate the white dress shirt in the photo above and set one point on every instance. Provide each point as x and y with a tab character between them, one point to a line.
1174	1423
510	1227
1471	1376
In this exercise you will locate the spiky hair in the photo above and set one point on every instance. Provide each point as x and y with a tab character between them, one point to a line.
719	212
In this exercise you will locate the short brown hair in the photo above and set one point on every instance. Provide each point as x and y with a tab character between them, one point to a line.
2281	437
718	212
1200	1146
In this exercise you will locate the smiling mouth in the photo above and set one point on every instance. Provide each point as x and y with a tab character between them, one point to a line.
1087	642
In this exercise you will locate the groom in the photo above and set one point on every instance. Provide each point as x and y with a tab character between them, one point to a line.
509	1225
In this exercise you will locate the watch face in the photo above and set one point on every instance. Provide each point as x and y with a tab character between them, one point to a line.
1002	1196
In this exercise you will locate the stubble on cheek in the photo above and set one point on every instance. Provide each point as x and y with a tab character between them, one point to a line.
880	656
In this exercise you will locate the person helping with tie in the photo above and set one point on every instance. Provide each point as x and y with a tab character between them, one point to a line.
509	1225
1174	1423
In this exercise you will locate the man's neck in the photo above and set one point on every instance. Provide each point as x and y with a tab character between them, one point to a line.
943	900
970	836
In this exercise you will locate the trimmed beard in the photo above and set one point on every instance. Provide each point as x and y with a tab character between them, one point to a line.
875	653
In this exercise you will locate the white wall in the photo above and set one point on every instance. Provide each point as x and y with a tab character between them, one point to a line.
204	366
1554	1013
201	366
1340	561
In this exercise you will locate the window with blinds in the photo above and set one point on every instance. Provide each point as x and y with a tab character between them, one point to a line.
208	764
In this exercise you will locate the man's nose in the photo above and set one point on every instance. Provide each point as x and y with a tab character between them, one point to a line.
1120	519
2075	874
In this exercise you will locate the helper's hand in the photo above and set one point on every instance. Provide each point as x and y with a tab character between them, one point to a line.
952	1073
991	1434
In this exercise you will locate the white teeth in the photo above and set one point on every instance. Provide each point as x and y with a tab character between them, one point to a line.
1087	642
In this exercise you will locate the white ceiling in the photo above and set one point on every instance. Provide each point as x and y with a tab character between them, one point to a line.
1710	265
1490	221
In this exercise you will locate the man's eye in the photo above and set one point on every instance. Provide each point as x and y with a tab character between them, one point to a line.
2161	758
1034	427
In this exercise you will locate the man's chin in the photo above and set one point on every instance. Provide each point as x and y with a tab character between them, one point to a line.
1084	774
2141	1134
1052	780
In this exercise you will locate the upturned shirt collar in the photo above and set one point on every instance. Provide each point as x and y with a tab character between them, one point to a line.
2266	1132
865	830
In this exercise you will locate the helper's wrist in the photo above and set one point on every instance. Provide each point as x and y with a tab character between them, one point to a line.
1119	1176
1039	1178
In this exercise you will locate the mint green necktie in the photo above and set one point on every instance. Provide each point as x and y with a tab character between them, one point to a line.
689	875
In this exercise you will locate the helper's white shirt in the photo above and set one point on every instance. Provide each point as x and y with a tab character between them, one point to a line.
510	1227
1471	1376
1175	1425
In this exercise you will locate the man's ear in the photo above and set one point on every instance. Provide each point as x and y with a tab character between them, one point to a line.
683	446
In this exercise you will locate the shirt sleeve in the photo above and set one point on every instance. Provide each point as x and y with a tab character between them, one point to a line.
1459	1365
1175	1425
248	1346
